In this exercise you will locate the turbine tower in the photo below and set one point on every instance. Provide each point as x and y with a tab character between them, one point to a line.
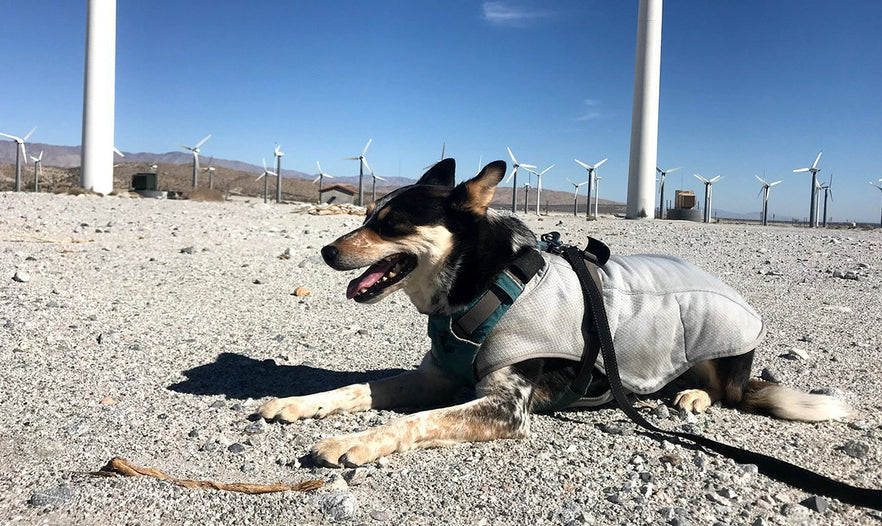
765	191
708	195
539	184
195	150
279	154
20	155
96	159
880	200
813	213
828	193
320	178
514	174
38	169
591	170
374	185
362	164
266	172
210	171
644	115
597	180
661	188
576	195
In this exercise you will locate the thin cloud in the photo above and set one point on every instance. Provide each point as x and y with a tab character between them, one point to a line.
591	111
504	14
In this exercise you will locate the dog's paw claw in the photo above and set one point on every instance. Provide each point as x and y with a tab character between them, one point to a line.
339	452
696	400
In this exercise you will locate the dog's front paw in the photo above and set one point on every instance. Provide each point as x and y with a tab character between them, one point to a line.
286	409
347	451
696	400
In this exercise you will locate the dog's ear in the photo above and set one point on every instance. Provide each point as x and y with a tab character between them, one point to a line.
442	173
475	194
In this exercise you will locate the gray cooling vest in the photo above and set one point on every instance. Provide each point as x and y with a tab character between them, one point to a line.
665	316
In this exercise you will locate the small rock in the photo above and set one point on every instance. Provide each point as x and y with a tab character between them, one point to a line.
661	412
855	449
21	276
860	425
257	282
337	506
209	446
107	401
815	503
613	429
236	447
770	375
255	428
380	515
794	510
302	292
188	250
615	498
248	467
336	483
718	499
672	459
55	497
382	462
728	493
688	416
193	433
795	353
218	404
356	476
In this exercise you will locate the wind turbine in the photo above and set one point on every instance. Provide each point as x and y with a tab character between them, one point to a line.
320	178
20	155
813	213
708	195
210	171
527	187
116	151
266	172
514	174
195	150
38	169
362	164
661	188
591	170
828	192
576	195
374	185
880	200
765	191
597	179
539	184
443	147
279	154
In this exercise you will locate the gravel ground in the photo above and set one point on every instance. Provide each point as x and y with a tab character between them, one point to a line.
152	330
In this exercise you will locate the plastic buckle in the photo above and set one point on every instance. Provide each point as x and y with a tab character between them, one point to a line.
552	242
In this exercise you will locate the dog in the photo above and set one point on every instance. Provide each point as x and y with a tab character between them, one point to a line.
441	244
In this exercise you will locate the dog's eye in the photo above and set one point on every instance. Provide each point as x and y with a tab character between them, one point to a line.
393	224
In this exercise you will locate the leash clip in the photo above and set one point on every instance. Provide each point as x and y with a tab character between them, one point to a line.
552	242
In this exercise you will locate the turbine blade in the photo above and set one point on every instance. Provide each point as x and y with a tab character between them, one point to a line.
316	179
366	146
715	179
13	137
596	166
545	170
659	170
818	158
829	190
28	134
200	143
801	170
264	164
378	177
443	147
672	170
366	165
758	178
585	166
700	178
116	150
528	165
515	170
773	184
328	175
513	160
24	153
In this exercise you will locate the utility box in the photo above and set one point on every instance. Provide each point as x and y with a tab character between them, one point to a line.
144	181
684	200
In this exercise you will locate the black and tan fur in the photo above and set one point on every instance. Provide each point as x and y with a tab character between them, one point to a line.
445	246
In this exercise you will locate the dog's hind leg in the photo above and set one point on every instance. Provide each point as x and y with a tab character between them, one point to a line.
427	385
500	413
720	379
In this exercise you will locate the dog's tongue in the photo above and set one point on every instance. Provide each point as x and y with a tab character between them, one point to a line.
368	278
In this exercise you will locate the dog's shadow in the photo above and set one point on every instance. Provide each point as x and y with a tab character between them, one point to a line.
240	377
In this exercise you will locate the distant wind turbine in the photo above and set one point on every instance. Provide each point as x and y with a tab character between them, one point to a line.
661	188
539	185
591	170
708	195
576	195
828	193
38	169
264	176
880	200
765	191
362	164
597	180
514	174
278	154
20	155
374	185
443	147
320	178
813	213
195	150
210	171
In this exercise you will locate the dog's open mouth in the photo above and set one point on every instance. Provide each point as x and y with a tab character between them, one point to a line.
381	275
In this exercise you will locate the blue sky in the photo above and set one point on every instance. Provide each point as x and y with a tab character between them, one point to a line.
747	87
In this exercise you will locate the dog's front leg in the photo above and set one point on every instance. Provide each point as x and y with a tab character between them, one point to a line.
500	413
424	386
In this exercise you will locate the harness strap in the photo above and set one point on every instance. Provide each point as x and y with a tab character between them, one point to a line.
777	469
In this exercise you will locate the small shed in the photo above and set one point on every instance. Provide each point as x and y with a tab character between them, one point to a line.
337	194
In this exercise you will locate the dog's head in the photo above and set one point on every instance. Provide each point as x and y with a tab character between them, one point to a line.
415	238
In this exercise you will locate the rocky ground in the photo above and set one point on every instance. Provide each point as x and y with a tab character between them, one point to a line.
152	330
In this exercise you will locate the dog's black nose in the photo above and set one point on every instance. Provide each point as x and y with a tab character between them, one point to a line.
329	253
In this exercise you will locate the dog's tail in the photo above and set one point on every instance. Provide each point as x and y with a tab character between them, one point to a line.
789	404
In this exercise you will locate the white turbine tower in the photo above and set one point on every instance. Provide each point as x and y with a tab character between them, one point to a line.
514	174
591	170
362	164
661	188
828	193
765	191
813	213
210	171
195	150
880	200
708	195
576	195
96	160
278	154
38	169
320	178
374	179
538	185
266	172
597	180
20	155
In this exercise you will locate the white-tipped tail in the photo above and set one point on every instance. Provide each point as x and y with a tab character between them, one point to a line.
789	404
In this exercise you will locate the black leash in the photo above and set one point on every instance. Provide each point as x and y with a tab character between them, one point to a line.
786	472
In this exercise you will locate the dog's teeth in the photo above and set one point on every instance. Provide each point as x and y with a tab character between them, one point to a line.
362	291
391	274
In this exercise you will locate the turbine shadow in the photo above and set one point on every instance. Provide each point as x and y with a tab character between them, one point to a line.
240	377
